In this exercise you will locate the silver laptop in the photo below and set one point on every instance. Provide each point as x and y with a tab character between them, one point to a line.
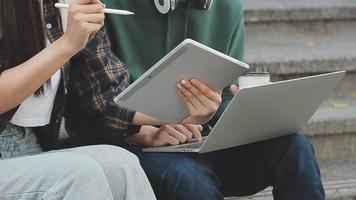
264	112
155	92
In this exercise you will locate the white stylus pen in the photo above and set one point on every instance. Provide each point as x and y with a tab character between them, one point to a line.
106	10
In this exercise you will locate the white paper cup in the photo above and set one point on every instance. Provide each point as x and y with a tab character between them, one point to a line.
252	79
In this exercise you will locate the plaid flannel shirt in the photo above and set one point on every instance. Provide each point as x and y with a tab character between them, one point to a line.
90	81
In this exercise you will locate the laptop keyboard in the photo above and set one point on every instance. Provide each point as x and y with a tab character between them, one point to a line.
193	145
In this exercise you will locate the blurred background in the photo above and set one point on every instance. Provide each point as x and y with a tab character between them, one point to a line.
296	38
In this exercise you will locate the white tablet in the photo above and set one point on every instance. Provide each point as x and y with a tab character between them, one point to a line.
155	92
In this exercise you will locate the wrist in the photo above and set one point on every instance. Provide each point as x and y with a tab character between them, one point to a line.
66	47
143	138
147	135
142	119
187	120
146	140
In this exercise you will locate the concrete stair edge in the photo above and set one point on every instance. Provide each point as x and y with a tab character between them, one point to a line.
335	116
257	11
301	48
334	190
258	16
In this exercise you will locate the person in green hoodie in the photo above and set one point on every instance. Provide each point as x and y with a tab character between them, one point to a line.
288	164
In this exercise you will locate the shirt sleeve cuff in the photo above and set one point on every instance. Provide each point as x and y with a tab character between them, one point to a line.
132	129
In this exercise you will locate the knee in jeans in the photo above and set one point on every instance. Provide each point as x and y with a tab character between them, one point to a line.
81	168
300	144
190	174
116	160
118	156
298	163
299	157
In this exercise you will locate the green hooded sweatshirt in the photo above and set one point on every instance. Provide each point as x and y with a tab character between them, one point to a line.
143	39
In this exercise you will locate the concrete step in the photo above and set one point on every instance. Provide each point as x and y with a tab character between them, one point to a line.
332	129
294	48
301	10
335	116
335	146
346	89
334	190
339	179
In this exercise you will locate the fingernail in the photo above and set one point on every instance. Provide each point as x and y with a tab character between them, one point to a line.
179	86
184	82
104	5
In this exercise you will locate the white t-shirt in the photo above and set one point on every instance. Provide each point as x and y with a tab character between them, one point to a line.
36	111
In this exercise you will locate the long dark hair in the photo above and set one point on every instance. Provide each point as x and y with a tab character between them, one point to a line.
23	33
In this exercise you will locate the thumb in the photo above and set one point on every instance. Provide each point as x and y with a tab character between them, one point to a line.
234	89
200	127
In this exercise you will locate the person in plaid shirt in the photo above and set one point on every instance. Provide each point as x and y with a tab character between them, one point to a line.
41	71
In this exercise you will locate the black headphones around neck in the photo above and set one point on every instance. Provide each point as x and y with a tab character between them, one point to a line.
171	5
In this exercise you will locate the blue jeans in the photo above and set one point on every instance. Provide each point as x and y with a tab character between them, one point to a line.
287	164
93	172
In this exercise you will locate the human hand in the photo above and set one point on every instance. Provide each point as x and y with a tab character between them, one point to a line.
191	131
201	101
234	89
85	18
150	136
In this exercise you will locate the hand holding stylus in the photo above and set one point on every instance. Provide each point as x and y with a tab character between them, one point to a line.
85	17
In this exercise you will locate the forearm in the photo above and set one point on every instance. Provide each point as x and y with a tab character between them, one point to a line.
19	82
142	119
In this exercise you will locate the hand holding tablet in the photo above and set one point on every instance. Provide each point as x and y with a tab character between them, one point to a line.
201	101
155	92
